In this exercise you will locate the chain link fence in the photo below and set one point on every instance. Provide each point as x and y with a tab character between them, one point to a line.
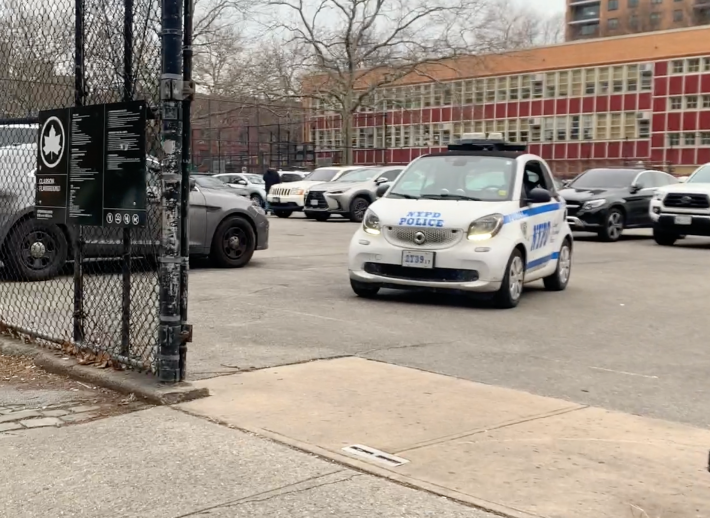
92	291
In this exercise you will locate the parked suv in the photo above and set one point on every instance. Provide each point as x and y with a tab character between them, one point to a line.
350	195
682	209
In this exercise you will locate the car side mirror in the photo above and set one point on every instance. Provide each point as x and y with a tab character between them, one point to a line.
193	184
382	189
565	183
635	188
539	195
380	181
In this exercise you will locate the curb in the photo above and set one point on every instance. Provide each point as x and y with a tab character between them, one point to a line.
143	386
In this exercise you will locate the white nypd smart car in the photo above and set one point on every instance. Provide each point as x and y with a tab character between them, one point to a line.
483	217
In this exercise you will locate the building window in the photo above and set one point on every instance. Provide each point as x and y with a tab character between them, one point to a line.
691	102
677	15
633	3
706	64
706	101
633	21
689	139
673	139
676	103
613	5
678	66
655	19
589	29
656	1
644	129
705	139
613	23
694	65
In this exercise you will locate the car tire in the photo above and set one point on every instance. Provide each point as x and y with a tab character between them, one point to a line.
358	208
508	296
664	238
364	290
233	243
321	217
558	281
257	200
283	213
27	241
613	226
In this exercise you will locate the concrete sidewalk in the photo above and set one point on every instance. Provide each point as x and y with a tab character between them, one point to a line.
163	463
504	450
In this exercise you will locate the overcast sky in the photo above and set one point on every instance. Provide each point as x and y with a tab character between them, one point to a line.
546	5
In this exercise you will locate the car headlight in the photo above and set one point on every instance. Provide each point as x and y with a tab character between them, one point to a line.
485	227
371	223
296	192
593	204
339	191
658	195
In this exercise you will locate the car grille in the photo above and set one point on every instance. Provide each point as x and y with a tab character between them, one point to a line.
687	200
318	196
397	271
572	209
434	238
280	191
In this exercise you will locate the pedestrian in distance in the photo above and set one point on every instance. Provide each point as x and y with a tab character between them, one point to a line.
271	178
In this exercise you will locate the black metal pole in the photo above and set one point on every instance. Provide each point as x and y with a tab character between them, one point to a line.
79	234
126	258
171	96
185	200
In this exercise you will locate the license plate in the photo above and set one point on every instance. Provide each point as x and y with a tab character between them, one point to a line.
277	199
416	259
314	203
683	220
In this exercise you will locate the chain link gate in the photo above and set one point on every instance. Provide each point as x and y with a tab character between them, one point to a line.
111	296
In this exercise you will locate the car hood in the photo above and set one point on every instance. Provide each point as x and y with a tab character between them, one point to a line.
343	186
582	195
451	214
226	200
702	188
303	184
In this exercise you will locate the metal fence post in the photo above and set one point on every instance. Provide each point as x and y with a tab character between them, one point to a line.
79	89
186	329
171	95
126	259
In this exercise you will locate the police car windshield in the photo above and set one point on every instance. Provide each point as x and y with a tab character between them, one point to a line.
605	179
16	135
457	177
359	175
322	175
702	175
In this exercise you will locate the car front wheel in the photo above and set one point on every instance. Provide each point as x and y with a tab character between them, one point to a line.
358	208
508	296
256	200
283	213
233	243
36	250
364	290
664	238
613	226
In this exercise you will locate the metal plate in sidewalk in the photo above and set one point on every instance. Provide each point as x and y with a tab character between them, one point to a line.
375	455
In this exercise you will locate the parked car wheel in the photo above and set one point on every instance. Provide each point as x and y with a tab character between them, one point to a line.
36	250
664	238
613	226
322	216
283	213
558	280
358	208
256	200
233	243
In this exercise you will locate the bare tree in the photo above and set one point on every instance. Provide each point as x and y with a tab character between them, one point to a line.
336	53
513	26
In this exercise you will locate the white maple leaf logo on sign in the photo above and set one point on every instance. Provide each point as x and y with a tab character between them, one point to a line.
52	143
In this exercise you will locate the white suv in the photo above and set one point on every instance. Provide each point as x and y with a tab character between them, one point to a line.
682	209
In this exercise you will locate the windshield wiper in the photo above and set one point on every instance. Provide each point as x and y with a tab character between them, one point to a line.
449	196
406	196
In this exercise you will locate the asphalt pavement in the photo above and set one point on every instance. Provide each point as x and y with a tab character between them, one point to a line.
628	334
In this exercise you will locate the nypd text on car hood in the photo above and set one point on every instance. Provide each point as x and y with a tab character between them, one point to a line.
482	217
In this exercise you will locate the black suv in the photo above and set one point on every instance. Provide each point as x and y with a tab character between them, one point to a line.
607	201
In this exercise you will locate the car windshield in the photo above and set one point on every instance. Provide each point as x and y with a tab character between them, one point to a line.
210	182
254	178
457	177
16	135
604	179
360	175
702	175
291	177
322	175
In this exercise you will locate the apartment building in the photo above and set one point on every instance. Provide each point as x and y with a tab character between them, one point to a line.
589	103
604	18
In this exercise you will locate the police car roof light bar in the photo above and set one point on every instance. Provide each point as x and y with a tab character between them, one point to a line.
479	142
